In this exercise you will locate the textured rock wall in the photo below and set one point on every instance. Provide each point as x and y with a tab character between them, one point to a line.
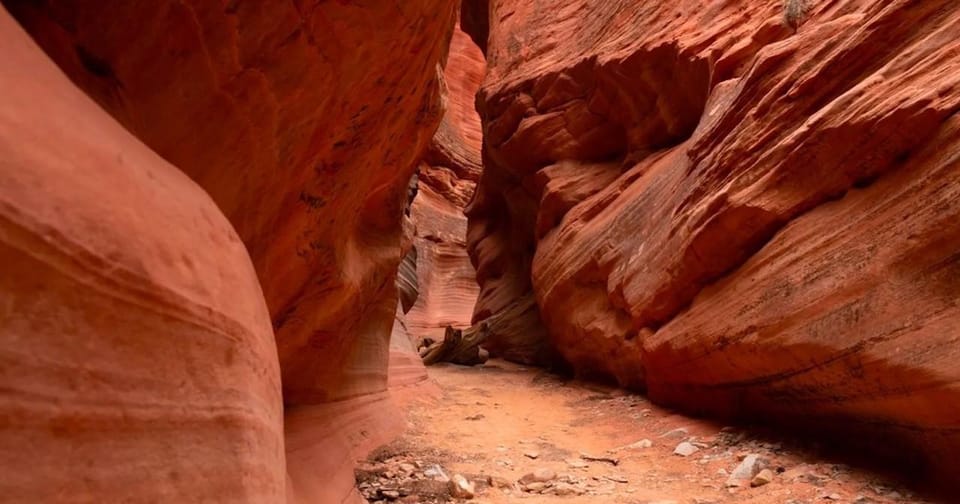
278	105
405	367
447	285
745	220
136	354
303	122
447	178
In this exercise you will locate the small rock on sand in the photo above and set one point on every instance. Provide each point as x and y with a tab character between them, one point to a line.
564	489
685	449
499	482
435	472
461	488
762	478
744	473
541	475
534	486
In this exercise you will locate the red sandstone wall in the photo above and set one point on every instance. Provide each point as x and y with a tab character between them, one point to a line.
137	360
743	220
303	122
447	178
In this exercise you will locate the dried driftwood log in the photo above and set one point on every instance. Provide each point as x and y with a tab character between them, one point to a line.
459	347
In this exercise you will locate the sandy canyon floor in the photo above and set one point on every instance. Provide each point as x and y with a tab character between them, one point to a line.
497	423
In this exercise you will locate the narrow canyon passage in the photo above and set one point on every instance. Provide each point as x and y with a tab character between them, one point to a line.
496	424
242	242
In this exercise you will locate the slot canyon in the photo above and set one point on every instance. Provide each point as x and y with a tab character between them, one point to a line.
653	252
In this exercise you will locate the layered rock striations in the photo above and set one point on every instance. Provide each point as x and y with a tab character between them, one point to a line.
743	219
570	85
136	354
303	122
307	151
405	367
447	288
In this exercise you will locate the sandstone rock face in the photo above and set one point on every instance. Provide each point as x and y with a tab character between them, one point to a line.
446	279
303	121
405	367
447	288
136	354
305	149
744	220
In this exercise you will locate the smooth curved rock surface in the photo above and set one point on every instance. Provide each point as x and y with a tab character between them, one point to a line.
405	366
744	220
136	354
456	145
303	121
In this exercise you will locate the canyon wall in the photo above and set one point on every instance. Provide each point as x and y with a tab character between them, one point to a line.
303	123
447	177
405	367
746	216
138	361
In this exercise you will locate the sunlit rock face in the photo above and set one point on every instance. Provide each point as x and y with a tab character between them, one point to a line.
743	219
303	122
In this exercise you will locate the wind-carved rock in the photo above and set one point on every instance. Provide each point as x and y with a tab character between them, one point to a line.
138	360
303	122
763	231
446	181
